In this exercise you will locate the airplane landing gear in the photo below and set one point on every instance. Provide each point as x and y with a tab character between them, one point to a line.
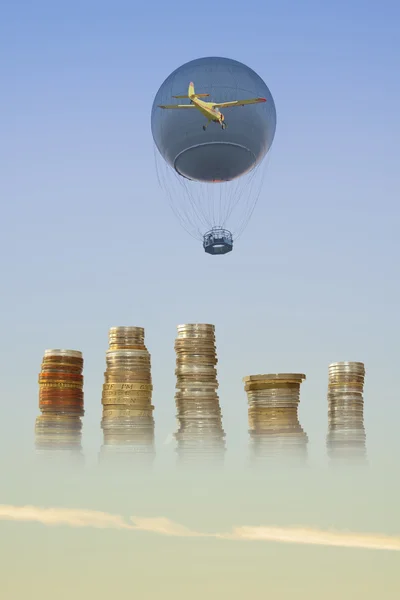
223	125
204	127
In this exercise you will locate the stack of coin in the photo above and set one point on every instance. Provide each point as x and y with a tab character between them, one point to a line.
346	434
58	429
200	434
128	424
61	383
126	338
274	428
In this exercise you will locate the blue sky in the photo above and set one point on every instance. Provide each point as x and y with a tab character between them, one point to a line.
88	241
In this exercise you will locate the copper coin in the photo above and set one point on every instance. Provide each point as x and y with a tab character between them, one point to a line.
63	375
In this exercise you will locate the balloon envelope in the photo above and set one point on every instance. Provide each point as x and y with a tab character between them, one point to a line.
214	155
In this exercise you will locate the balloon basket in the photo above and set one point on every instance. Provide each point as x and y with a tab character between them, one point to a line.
218	241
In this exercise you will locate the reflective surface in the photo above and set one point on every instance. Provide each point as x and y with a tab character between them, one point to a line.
214	154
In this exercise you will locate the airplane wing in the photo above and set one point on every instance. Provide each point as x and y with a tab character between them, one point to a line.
176	106
239	102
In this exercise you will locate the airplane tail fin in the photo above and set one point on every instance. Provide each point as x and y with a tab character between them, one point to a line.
191	93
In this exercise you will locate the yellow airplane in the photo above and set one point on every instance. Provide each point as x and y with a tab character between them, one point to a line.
209	109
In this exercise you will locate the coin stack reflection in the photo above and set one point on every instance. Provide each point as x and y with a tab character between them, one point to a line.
58	429
200	434
274	428
128	424
346	434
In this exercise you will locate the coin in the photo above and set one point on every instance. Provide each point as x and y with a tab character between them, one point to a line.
127	386
60	352
118	411
124	401
128	393
275	377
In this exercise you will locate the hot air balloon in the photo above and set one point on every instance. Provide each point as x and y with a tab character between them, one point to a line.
213	122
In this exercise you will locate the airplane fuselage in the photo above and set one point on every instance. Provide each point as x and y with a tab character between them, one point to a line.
212	114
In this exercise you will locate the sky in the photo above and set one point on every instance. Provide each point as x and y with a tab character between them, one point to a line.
88	240
200	535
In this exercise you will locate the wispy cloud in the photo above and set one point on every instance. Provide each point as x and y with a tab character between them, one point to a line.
163	526
63	516
316	537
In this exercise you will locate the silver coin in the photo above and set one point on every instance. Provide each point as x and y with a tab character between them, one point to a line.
61	352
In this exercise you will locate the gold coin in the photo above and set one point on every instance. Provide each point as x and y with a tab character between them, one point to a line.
127	393
117	380
275	377
122	411
126	401
126	330
357	384
134	373
119	346
271	411
271	385
60	384
127	386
